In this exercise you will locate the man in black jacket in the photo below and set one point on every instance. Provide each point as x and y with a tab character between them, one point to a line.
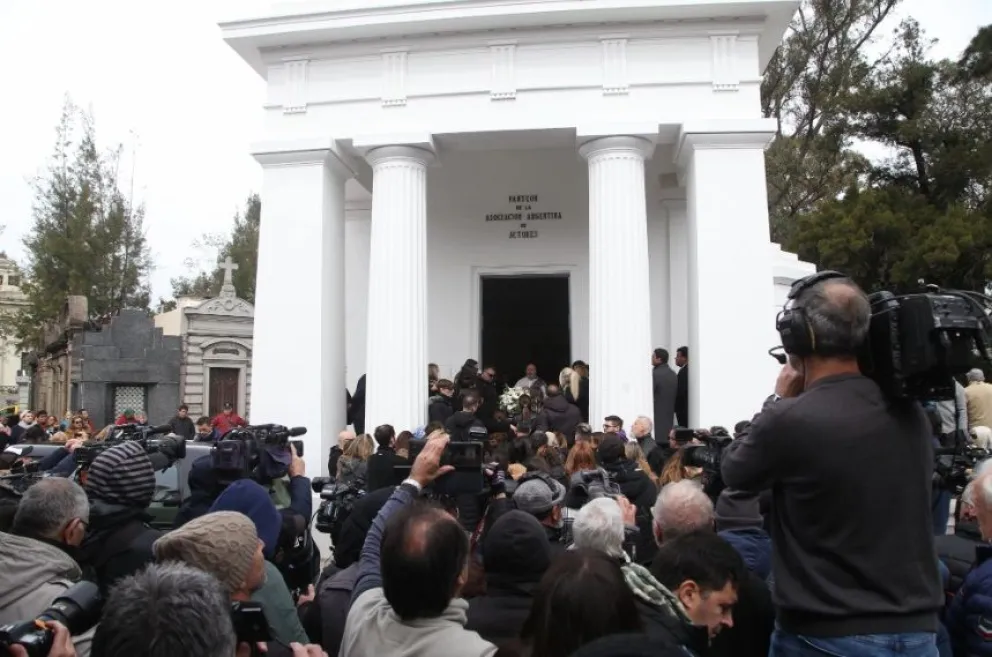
464	425
439	406
682	387
653	454
854	554
558	414
182	424
665	389
515	553
635	485
382	464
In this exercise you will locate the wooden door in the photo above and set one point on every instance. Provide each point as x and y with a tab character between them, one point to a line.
223	389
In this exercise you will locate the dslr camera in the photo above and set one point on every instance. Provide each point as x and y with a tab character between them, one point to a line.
78	609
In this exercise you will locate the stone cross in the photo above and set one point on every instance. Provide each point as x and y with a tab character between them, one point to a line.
229	267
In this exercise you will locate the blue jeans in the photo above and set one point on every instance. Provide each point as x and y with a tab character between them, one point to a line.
941	511
913	644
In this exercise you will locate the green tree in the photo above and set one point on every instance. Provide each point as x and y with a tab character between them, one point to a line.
241	246
976	62
87	238
924	212
805	89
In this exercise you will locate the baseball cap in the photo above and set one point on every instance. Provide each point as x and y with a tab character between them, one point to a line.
537	495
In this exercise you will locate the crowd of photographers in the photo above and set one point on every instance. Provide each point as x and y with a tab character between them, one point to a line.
809	532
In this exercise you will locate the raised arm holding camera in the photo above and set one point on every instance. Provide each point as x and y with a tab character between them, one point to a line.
854	566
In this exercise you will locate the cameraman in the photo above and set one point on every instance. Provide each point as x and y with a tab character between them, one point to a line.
850	473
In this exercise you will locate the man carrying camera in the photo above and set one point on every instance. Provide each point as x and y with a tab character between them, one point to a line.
854	566
38	554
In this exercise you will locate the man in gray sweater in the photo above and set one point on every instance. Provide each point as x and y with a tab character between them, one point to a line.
413	566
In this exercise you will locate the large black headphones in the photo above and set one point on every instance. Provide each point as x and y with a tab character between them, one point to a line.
793	327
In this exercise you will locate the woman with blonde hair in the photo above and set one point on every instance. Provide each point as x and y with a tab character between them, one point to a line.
676	470
353	464
634	453
569	381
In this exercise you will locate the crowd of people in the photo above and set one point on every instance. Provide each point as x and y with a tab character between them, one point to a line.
810	532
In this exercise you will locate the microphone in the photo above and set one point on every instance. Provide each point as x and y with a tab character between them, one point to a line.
297	431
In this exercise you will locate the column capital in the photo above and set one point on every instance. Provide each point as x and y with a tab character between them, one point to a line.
302	152
382	154
418	143
720	134
617	144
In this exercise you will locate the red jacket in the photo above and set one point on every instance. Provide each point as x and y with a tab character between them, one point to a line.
224	423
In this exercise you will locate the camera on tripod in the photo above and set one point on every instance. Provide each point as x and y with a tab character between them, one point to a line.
78	609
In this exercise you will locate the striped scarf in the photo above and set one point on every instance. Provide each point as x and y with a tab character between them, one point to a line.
644	586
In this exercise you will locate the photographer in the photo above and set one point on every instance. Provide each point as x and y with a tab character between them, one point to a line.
120	484
850	474
37	555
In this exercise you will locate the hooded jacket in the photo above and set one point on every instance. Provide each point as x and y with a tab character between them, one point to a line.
439	409
559	415
665	619
515	553
34	574
460	422
118	543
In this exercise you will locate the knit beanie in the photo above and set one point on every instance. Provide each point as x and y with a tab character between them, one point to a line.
123	475
222	543
250	498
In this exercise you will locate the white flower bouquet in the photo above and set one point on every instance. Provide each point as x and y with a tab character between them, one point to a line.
509	401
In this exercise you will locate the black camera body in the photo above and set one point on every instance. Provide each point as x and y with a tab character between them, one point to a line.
336	503
918	343
708	455
150	438
249	622
78	609
239	452
953	467
465	456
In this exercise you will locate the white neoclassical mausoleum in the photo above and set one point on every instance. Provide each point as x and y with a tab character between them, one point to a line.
512	181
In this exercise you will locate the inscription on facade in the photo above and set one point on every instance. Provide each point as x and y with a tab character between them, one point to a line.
522	209
226	350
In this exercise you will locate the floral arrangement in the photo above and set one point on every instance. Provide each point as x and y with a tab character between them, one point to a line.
509	401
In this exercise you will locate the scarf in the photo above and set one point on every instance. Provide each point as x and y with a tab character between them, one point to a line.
644	586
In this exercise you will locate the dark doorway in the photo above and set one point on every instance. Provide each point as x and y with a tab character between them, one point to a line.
223	389
525	319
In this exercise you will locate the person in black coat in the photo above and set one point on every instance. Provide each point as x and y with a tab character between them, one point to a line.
463	425
636	486
558	414
682	389
440	406
382	464
356	411
665	389
515	553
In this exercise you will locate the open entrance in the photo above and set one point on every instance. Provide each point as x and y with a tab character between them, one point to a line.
525	319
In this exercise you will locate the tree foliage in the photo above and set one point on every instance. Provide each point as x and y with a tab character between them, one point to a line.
241	246
87	238
805	89
924	212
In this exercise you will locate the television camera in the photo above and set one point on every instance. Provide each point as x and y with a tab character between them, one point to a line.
150	438
239	453
78	609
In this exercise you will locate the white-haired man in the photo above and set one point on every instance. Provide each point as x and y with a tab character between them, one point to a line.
969	617
641	430
978	395
49	525
683	508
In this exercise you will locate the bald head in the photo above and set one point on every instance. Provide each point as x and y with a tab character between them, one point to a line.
838	312
345	436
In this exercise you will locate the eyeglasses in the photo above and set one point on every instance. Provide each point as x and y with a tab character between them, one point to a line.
610	426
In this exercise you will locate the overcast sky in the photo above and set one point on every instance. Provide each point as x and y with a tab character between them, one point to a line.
160	81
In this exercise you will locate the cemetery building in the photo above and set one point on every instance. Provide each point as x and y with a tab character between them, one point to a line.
105	366
216	338
12	301
512	181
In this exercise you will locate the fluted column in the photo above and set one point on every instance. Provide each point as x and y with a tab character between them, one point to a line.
619	292
396	360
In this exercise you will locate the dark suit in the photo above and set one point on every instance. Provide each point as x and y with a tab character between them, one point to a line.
381	473
682	397
665	390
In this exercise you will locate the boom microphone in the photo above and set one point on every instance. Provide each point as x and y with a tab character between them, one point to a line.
297	431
